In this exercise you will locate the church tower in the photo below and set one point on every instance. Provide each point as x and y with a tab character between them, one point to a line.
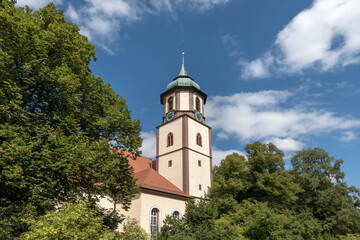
183	145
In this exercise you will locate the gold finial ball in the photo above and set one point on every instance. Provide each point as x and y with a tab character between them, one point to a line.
183	53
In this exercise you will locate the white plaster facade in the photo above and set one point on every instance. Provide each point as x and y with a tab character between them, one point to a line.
184	100
141	207
172	173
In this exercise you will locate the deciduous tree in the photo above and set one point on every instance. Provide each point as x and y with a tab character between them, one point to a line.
262	176
56	120
76	221
325	193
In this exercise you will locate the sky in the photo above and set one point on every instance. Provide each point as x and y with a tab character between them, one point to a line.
282	71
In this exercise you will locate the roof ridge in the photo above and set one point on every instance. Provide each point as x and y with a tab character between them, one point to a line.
147	175
144	170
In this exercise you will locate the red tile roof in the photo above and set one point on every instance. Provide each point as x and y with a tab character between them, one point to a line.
140	163
148	178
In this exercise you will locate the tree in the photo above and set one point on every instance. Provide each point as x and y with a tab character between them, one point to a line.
350	237
325	194
77	221
133	231
56	120
261	177
266	201
197	223
259	220
255	197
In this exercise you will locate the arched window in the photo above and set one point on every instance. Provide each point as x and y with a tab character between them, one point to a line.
176	214
198	139
170	139
197	104
170	104
154	221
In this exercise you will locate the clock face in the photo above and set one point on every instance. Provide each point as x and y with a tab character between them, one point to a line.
170	116
198	116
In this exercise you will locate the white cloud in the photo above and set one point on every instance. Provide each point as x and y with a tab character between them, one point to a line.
219	155
342	84
286	144
258	68
222	136
72	14
202	4
36	4
231	44
148	147
347	136
229	40
260	116
162	5
321	38
102	21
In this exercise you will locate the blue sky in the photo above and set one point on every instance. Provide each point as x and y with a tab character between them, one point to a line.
283	71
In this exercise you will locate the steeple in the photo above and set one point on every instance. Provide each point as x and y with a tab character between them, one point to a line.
183	152
182	70
183	79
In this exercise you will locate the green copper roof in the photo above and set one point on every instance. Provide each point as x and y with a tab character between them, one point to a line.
182	70
183	79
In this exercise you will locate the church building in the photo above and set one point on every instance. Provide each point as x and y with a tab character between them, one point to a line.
183	164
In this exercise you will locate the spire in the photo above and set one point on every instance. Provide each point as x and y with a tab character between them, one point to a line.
183	79
182	70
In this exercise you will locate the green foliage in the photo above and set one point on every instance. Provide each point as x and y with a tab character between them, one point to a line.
77	221
350	237
260	221
261	177
258	198
329	199
133	231
56	120
197	223
172	227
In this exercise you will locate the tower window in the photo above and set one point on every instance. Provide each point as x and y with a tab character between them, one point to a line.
176	215
200	187
197	104
199	163
154	221
170	104
198	139
170	163
170	139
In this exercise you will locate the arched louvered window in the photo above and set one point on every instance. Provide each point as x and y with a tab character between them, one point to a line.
176	214
197	104
198	139
154	221
170	139
170	104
